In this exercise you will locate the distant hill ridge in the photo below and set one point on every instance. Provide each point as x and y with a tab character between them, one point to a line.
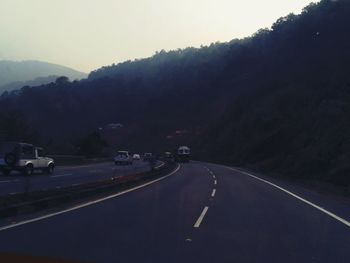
13	73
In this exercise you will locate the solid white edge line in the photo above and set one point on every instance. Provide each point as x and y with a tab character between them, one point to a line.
334	216
201	217
87	204
213	193
162	164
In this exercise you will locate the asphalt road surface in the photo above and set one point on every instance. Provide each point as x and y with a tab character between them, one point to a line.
201	213
66	176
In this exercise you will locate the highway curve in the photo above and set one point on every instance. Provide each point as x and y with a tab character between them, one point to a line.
201	213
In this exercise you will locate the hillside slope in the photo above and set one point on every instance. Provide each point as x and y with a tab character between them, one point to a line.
279	100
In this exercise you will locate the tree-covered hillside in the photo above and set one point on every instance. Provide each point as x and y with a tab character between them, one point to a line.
279	100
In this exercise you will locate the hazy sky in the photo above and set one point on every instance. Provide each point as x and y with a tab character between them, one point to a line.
87	34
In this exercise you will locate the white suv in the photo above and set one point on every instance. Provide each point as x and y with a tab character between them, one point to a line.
25	158
123	157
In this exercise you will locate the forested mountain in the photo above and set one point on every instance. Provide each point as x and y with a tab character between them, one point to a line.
278	101
17	74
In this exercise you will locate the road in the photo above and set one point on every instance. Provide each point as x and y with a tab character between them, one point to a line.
66	176
201	213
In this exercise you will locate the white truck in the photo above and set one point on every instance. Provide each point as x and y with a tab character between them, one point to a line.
183	154
25	158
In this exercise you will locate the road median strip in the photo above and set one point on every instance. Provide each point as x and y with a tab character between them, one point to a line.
24	203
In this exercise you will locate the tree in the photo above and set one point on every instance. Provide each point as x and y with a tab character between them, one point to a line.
91	145
62	80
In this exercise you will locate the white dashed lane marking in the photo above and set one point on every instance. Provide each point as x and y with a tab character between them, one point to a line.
201	217
9	181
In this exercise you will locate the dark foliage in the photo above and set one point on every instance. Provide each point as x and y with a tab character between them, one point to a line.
14	127
91	145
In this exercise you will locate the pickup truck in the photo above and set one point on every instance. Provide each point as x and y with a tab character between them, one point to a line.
25	158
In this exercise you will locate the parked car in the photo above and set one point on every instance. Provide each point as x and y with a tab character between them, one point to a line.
123	157
147	157
136	156
25	158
